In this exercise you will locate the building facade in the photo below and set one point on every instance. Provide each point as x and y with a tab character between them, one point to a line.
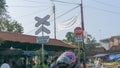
110	42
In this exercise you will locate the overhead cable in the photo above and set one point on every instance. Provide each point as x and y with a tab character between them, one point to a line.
35	12
32	1
66	2
67	12
58	17
27	6
110	5
108	11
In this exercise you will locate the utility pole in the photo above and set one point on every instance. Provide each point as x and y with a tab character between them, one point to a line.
83	46
54	20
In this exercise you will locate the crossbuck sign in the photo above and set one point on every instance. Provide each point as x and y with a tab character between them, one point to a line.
42	21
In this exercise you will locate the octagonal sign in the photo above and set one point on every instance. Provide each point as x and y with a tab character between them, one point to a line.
78	31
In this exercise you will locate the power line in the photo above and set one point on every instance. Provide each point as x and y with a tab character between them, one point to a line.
34	12
27	6
71	24
110	5
66	2
67	12
32	30
59	16
32	1
108	11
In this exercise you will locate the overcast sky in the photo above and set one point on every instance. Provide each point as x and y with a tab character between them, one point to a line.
101	17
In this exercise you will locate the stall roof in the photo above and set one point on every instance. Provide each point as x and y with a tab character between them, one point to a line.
24	39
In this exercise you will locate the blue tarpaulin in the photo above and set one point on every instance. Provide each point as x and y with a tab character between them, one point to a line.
35	53
113	57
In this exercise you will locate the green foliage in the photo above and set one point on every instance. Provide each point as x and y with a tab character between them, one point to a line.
5	23
90	39
11	26
3	12
116	63
1	41
70	38
89	44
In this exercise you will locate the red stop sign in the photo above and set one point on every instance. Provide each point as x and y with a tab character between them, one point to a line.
78	31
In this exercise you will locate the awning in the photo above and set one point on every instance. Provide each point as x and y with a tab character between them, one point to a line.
113	57
100	55
35	53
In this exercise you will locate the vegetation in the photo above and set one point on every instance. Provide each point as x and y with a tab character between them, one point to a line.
6	24
70	38
11	26
3	11
89	43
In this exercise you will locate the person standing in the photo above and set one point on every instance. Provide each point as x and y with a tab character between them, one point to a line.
98	63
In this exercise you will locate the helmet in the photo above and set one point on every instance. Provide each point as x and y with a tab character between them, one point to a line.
63	60
70	55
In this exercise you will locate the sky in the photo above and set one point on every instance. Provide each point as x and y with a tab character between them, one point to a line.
101	17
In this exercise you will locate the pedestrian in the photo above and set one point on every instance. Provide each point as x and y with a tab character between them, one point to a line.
53	63
5	65
98	63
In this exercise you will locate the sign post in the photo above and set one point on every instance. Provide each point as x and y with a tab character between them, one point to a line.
42	22
78	32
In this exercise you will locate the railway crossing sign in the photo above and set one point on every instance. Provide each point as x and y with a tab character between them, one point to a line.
44	29
42	21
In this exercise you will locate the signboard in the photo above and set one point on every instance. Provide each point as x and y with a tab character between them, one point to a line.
78	31
42	39
31	53
78	39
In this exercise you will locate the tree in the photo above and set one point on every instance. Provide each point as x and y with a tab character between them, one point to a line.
11	26
3	11
6	24
90	43
17	27
70	38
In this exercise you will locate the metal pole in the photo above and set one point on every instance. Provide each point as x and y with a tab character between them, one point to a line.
54	20
83	46
78	55
42	46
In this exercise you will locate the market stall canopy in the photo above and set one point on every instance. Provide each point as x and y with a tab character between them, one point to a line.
113	57
100	55
10	52
28	42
